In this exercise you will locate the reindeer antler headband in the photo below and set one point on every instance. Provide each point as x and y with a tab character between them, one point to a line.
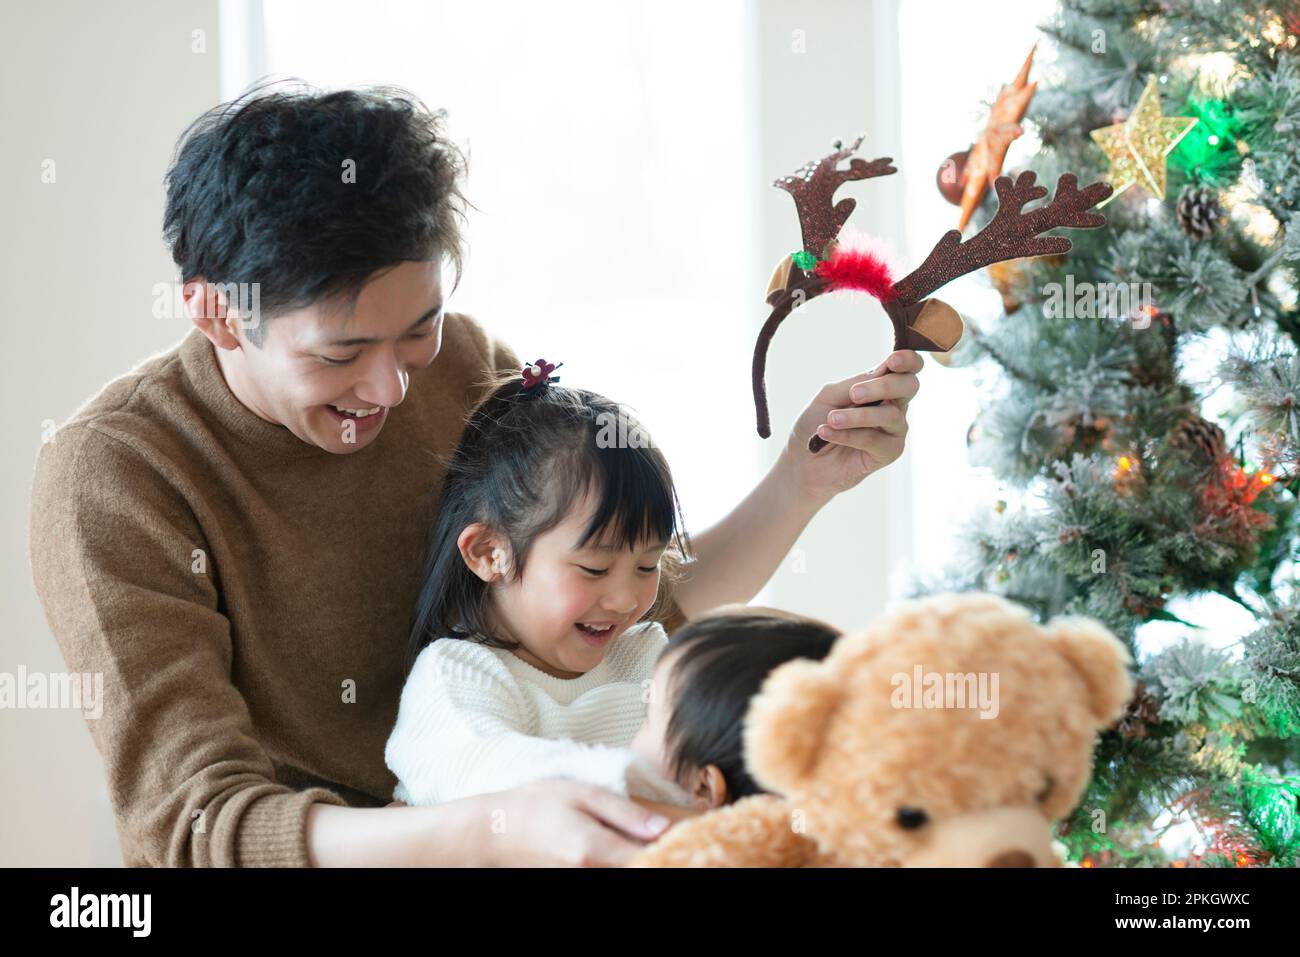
831	261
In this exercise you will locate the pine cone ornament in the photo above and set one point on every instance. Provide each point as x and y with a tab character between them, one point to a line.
1143	711
1199	211
1144	606
1200	440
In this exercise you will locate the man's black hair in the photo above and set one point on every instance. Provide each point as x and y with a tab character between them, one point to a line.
309	194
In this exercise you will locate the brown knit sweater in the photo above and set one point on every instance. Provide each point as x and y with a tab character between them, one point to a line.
245	595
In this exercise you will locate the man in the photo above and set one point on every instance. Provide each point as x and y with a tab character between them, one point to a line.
232	532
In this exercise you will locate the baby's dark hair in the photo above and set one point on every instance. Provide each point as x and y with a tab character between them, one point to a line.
724	659
524	461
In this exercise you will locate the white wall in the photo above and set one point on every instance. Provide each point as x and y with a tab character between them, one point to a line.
103	90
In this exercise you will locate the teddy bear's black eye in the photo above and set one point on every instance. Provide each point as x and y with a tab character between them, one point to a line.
1048	784
911	818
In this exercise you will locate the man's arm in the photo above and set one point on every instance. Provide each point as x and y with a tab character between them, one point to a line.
113	556
552	823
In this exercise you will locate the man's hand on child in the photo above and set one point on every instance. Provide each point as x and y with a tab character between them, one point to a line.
863	437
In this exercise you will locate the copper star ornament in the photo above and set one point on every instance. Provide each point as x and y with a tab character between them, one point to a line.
1137	148
984	163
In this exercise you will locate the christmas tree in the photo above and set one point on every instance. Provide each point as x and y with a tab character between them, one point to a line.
1141	407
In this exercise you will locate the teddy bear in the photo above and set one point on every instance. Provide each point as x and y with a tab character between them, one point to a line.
951	732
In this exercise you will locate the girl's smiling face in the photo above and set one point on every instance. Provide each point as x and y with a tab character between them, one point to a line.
571	602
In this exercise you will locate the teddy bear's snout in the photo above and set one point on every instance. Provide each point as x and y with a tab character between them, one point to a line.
1000	837
1012	859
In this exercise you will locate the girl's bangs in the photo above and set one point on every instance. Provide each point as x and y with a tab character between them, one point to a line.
636	500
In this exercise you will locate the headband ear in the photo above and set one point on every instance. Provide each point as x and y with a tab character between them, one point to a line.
932	325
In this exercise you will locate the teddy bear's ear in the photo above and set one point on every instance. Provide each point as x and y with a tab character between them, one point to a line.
1100	659
785	725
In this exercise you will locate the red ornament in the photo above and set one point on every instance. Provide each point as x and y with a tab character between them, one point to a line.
951	177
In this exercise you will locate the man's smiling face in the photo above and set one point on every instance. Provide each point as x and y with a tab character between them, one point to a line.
332	356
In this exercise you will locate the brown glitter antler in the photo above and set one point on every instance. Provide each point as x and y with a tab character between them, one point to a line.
934	326
921	323
1012	233
813	187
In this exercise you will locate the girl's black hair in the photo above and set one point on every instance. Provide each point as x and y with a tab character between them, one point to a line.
724	659
524	460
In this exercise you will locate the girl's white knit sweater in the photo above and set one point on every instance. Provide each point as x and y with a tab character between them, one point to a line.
475	719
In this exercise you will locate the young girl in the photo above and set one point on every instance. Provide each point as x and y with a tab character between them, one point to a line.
529	656
701	689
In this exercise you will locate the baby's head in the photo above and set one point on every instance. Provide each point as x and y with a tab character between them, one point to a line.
702	685
556	517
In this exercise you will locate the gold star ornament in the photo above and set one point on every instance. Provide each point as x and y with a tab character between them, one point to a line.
1137	148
